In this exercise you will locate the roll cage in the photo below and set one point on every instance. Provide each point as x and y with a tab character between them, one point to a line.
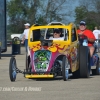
69	32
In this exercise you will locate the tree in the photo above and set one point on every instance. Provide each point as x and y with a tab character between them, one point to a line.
37	11
90	12
80	14
54	10
20	12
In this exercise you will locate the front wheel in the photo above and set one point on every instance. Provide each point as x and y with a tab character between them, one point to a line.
12	69
97	70
27	63
65	69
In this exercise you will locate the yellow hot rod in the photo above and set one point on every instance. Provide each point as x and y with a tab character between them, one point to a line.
49	58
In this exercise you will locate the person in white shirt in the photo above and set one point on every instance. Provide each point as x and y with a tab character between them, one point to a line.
25	35
96	33
56	35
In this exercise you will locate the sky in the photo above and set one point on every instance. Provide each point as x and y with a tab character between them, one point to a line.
72	4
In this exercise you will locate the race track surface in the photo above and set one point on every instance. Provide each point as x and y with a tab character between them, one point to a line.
44	89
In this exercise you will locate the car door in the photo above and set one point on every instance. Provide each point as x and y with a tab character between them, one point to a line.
74	50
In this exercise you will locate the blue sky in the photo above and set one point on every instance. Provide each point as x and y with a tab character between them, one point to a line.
72	4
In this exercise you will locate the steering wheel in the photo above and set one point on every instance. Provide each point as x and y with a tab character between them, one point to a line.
83	38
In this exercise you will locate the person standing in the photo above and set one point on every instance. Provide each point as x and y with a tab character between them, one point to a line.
89	34
25	35
96	33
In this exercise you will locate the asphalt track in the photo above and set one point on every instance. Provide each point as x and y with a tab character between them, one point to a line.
44	89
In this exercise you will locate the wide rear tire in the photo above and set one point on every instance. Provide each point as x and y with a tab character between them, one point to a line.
84	61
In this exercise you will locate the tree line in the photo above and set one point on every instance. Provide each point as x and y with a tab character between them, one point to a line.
45	11
90	12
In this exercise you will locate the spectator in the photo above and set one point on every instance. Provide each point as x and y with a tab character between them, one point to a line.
90	36
96	33
25	37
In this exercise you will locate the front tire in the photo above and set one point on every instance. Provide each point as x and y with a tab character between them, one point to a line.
65	69
97	70
27	63
12	69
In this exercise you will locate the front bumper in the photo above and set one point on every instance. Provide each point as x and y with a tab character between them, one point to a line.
39	76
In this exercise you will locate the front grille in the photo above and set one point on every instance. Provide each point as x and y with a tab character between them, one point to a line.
41	60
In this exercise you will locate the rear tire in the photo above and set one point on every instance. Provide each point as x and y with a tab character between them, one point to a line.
84	61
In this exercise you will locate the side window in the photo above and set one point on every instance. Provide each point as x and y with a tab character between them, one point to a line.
66	34
62	32
74	36
36	35
49	33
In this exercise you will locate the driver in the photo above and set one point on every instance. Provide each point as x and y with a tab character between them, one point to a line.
88	33
56	35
